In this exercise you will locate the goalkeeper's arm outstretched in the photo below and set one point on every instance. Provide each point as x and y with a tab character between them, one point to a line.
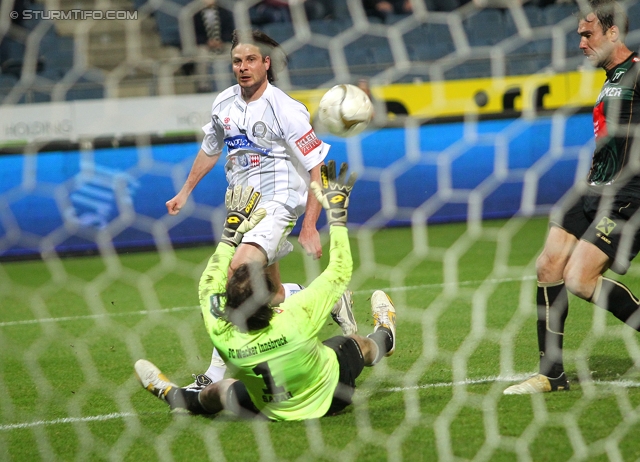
282	370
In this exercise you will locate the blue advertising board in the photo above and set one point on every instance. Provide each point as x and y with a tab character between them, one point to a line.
81	200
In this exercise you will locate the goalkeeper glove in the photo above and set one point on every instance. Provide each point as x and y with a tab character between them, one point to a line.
241	213
333	195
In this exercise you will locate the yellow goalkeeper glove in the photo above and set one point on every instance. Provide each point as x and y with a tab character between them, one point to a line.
334	192
242	215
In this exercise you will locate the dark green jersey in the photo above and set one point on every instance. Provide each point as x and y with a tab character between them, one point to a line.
289	373
616	115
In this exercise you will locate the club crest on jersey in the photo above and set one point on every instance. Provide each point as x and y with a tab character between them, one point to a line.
308	142
259	130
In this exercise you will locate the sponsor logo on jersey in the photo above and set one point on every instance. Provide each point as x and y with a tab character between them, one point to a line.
610	92
259	130
272	344
215	305
308	142
617	76
242	142
277	398
227	120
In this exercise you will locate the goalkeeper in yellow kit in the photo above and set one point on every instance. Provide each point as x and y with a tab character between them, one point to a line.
282	370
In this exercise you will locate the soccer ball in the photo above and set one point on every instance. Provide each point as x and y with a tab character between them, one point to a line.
345	110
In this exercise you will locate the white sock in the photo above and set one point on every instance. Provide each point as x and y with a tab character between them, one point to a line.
291	288
216	368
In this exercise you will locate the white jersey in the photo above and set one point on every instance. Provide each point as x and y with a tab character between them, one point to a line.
270	144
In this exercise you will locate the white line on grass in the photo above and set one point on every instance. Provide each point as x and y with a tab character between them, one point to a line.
499	378
67	420
445	284
187	308
95	316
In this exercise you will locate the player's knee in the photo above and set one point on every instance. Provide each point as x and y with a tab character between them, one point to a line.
367	347
210	396
549	268
577	282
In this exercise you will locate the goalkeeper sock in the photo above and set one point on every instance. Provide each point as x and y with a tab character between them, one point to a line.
291	288
185	398
553	307
383	338
615	297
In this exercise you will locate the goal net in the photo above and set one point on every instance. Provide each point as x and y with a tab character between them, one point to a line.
482	124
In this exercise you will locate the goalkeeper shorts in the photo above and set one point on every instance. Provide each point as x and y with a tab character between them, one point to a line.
351	363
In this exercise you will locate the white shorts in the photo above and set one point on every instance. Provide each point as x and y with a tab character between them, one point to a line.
272	231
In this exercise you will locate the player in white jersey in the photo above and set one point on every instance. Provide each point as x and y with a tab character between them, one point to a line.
272	147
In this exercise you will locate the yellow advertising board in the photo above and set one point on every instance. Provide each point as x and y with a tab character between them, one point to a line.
490	96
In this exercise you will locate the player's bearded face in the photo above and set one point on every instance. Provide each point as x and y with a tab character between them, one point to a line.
249	67
596	45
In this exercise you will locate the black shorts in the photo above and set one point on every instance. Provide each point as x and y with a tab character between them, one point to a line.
239	402
611	224
351	363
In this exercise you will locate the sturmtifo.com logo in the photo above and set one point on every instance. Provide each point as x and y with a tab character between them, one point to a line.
109	15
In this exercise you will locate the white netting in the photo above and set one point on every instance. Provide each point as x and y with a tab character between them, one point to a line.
480	115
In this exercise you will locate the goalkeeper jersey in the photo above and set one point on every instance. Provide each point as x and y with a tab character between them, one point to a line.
289	373
270	144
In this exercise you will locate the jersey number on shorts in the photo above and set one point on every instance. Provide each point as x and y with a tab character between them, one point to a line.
263	370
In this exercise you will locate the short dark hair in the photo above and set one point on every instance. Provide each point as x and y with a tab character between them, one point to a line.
266	45
610	13
249	293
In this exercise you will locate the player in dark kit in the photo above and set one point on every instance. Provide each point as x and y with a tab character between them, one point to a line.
597	228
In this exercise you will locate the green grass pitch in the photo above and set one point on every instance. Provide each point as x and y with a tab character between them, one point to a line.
70	331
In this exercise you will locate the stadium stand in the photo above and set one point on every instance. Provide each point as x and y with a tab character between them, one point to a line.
147	56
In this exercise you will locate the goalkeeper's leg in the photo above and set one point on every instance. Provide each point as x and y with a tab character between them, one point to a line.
354	352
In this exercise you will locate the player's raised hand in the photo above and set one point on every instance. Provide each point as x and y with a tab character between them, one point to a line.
242	215
334	192
175	204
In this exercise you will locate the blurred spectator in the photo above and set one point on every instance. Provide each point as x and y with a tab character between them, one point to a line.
213	29
383	8
445	5
12	44
270	11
